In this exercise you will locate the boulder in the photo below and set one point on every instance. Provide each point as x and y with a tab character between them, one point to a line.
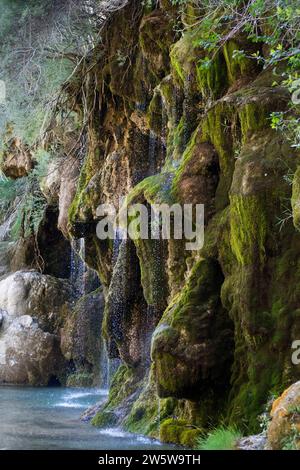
32	309
17	160
28	355
284	429
34	294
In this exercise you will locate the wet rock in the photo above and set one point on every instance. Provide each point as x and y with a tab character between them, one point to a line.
81	339
32	309
17	160
34	294
28	355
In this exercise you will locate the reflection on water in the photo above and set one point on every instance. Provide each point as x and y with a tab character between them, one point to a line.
49	418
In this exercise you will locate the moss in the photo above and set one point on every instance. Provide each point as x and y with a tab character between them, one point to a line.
179	431
80	380
176	143
124	383
154	113
154	190
216	128
85	200
185	55
149	411
248	222
104	419
253	117
236	66
212	78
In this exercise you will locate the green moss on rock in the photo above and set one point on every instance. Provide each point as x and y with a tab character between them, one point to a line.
175	430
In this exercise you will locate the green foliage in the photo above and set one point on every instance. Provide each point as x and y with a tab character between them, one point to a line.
40	44
221	438
24	199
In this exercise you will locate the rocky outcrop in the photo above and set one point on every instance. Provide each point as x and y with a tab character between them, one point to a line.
284	429
46	336
28	355
32	311
170	129
17	159
81	340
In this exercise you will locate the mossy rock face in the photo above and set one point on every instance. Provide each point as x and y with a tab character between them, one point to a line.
128	320
175	430
239	66
80	380
192	336
81	339
149	410
175	122
104	419
125	387
156	36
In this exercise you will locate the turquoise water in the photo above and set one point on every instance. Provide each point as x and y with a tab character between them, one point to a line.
49	419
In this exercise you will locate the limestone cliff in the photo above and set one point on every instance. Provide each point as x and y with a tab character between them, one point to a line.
163	127
204	337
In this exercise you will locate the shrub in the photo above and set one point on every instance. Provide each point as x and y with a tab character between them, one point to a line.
222	438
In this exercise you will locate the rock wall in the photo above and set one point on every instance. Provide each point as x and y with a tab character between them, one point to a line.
162	128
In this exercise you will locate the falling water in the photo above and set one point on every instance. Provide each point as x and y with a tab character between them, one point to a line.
187	105
149	325
152	153
5	227
108	367
77	275
104	366
119	236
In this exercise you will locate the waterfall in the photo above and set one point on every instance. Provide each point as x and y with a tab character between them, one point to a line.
108	367
5	227
187	105
104	366
152	153
119	236
77	271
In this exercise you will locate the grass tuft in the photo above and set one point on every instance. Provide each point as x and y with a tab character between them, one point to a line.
222	438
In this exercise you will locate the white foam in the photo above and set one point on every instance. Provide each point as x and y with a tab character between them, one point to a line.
115	432
69	405
75	395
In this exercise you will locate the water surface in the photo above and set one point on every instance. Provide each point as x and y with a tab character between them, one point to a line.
49	419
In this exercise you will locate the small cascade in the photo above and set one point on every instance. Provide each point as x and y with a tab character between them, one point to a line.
78	268
187	112
152	153
141	105
149	326
5	227
108	367
176	107
104	366
119	236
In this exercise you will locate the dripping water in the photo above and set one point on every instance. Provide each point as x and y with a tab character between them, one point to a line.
77	271
119	236
108	367
152	153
